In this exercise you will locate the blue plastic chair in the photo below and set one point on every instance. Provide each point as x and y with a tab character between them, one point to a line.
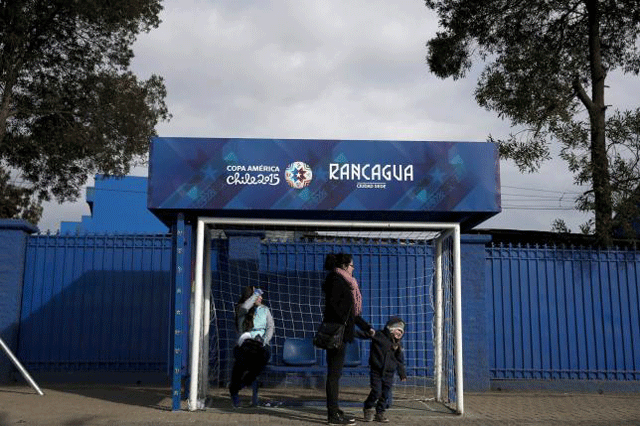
295	353
299	352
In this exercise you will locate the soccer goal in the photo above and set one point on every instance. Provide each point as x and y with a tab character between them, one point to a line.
411	270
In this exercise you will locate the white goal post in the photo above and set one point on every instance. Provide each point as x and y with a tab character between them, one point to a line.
443	288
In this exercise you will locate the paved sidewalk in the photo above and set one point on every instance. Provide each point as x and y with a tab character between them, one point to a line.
80	405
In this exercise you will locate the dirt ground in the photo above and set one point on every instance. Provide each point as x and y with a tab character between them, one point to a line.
84	404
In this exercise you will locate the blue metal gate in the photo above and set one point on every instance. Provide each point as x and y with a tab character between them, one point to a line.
564	313
96	302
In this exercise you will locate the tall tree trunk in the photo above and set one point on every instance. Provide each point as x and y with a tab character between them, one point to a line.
599	161
5	102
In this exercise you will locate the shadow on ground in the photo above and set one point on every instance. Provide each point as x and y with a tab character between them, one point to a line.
309	405
142	396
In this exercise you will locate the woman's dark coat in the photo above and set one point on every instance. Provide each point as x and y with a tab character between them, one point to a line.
339	306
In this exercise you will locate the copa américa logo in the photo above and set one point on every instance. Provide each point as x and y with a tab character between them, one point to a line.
298	174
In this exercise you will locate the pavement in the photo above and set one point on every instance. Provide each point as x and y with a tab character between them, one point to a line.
86	404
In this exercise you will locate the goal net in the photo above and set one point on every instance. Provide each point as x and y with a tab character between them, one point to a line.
410	270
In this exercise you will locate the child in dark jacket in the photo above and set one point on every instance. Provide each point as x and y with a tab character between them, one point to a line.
385	358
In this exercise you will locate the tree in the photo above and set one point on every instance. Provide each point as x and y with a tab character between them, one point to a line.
69	105
559	226
623	153
546	66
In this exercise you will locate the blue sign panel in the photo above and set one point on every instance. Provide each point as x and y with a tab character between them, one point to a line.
403	180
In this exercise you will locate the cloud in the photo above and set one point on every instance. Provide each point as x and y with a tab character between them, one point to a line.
314	70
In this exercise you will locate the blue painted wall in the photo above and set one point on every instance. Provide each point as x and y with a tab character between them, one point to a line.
118	205
475	313
13	240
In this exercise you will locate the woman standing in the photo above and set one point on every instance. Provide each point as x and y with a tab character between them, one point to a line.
343	305
254	323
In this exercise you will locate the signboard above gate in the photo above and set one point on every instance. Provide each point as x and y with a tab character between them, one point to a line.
423	181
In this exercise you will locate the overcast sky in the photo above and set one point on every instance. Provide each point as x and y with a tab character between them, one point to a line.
329	69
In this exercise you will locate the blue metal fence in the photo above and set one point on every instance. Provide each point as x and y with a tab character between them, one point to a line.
564	313
96	302
103	302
